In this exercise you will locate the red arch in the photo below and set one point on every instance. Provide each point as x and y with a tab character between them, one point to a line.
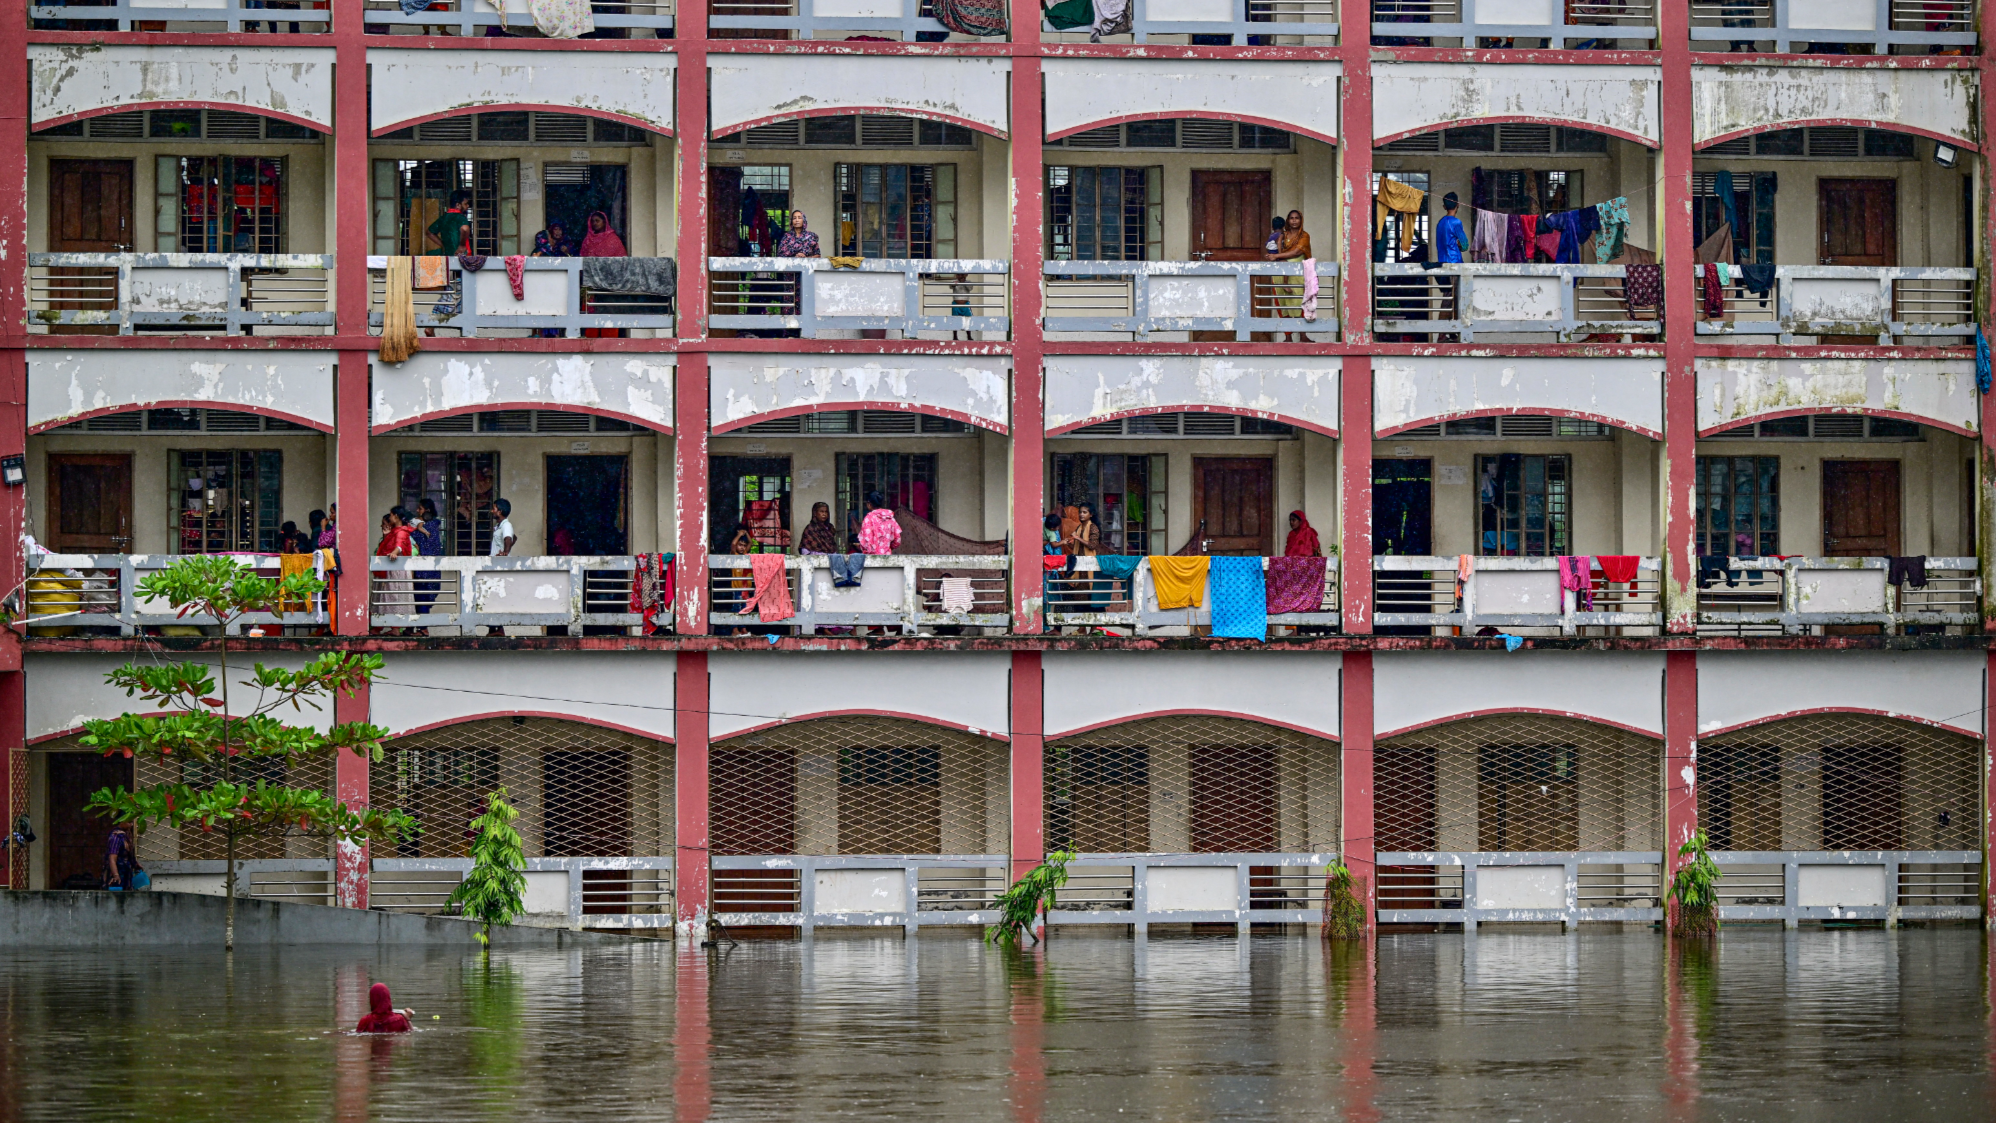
1531	411
135	106
1314	426
1190	712
1856	122
1654	735
182	403
828	407
1867	411
1514	119
793	719
1706	734
543	107
1174	114
483	407
851	110
577	718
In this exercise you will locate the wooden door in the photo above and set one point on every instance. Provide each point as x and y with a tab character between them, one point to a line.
1230	215
1860	221
90	503
90	211
75	837
1860	508
1234	500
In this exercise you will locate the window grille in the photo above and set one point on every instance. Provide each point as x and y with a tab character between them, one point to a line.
222	501
1739	505
220	204
897	211
1105	214
1525	505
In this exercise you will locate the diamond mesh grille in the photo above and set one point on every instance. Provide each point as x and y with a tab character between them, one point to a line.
195	844
1201	785
859	785
1518	782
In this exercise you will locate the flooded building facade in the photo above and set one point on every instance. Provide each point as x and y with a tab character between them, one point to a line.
725	264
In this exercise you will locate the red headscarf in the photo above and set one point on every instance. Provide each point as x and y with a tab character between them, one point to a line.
383	1017
1303	540
601	243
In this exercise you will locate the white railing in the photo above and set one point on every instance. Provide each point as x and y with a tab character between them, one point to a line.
1566	301
1906	305
1088	599
1555	24
1246	22
555	298
473	17
210	293
189	15
1520	887
533	591
297	880
864	891
1510	593
94	591
810	296
1240	889
1141	297
1794	25
1802	596
1888	885
563	892
903	591
807	17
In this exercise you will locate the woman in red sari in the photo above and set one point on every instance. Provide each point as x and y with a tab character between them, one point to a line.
382	1016
1302	538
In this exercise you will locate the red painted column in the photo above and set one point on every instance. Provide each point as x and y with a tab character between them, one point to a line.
14	746
1985	262
692	1040
1028	762
1029	502
13	421
351	863
1680	755
1989	796
1355	381
690	402
690	895
1355	777
1680	320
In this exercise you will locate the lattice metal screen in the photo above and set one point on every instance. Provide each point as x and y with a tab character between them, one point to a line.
194	844
859	785
581	791
1200	785
1839	782
1518	782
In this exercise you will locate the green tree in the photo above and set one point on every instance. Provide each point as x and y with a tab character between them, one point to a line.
228	748
1020	905
494	892
1695	890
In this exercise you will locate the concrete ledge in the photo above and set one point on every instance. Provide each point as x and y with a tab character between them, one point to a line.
101	919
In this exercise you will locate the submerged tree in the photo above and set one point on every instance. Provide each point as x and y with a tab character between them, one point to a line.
1344	913
1695	891
494	892
1020	905
231	749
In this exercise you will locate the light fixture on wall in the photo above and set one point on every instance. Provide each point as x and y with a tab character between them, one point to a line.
14	469
1945	155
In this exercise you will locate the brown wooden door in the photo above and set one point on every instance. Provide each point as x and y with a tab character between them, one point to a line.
90	211
1860	508
1860	221
76	838
90	503
1234	499
1230	214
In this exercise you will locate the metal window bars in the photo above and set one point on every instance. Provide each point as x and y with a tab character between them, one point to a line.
1803	596
1310	23
1579	24
216	15
812	297
555	300
1897	305
1884	26
1568	302
474	17
1141	297
911	593
206	293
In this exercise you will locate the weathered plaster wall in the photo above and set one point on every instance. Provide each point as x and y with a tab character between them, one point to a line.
633	386
523	476
407	85
751	89
963	502
1080	388
1726	101
969	689
1088	689
70	689
1733	391
1739	687
1300	96
1935	504
1413	688
744	387
1418	391
424	688
1596	500
66	81
1933	218
62	385
1410	97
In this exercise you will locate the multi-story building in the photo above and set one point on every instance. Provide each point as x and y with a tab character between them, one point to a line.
1042	283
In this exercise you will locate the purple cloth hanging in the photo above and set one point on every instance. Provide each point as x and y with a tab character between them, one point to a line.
1296	584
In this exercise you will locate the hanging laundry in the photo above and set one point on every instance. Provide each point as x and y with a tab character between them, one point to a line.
1729	204
1310	289
651	586
1240	598
1547	243
1517	240
1573	227
1180	582
1714	292
1053	562
846	570
562	19
1395	196
982	18
398	314
1618	569
516	275
1718	247
1117	567
1465	568
1068	14
1908	571
1982	366
1296	584
772	589
1759	280
1479	189
1491	228
1574	577
1613	217
1644	286
430	272
471	263
1714	566
956	594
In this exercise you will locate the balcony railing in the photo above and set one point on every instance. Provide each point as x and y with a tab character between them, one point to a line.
808	891
207	293
1141	297
82	594
466	593
474	17
811	297
1804	596
303	16
624	893
1566	301
1246	22
1509	593
1556	887
1088	599
1794	25
903	591
555	299
805	18
1572	24
1890	885
1239	889
1889	303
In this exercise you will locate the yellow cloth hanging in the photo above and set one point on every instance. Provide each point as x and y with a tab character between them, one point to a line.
288	564
1180	582
430	272
398	314
845	262
1396	196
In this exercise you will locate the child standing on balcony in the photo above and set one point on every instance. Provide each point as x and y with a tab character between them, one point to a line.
879	533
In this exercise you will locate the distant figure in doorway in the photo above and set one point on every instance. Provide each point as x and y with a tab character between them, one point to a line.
328	529
502	528
382	1016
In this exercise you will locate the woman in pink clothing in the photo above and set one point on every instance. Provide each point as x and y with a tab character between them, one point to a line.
879	533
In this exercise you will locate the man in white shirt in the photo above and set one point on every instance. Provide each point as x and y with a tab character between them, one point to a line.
502	528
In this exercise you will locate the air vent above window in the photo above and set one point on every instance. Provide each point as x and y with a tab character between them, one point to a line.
887	131
1202	426
118	126
447	129
556	421
888	421
1838	142
462	423
1823	427
1183	133
1521	427
1525	139
222	125
1201	134
1208	425
782	134
183	420
1516	427
229	421
1738	146
565	173
1110	137
1419	142
776	426
1839	426
560	128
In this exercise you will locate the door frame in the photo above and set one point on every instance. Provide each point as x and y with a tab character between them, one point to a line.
627	502
1823	217
50	463
1895	535
1372	484
1197	208
1199	499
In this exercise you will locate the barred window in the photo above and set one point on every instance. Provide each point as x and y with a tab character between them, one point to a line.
1738	511
1105	214
904	211
220	204
1525	505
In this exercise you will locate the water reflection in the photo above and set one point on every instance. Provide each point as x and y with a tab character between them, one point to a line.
1764	1024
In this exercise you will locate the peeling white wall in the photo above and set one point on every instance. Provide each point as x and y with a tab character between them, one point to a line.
1303	96
1736	99
1409	391
294	81
1413	688
1739	687
1087	689
967	689
743	387
1417	96
631	385
62	385
1080	388
628	689
408	85
70	688
752	88
1734	391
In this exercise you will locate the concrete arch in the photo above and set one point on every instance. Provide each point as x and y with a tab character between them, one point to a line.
1418	97
901	407
1937	392
1312	424
1939	135
533	106
628	386
747	388
68	83
750	89
1411	391
1526	119
1089	93
412	86
1088	389
1733	101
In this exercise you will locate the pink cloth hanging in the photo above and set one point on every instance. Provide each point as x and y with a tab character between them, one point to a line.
516	275
1310	289
772	592
1575	576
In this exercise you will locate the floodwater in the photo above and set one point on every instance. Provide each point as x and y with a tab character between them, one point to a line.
1857	1024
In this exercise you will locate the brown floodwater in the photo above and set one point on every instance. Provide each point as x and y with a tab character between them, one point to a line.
1854	1024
